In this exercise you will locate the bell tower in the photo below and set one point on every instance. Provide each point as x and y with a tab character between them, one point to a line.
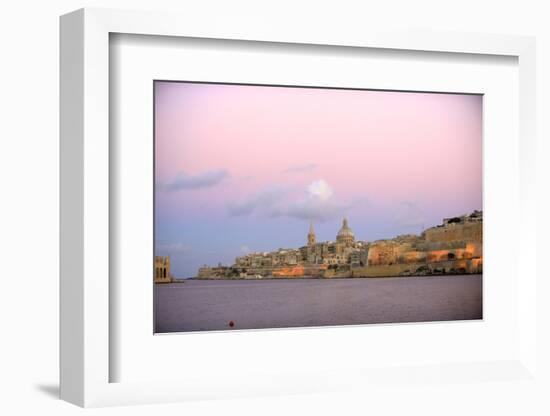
311	235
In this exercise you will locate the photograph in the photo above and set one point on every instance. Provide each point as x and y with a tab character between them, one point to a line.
284	206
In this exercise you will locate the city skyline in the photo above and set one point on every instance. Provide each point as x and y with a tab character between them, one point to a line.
245	168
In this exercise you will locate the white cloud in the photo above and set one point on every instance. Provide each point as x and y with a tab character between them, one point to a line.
319	204
262	201
202	180
320	190
245	249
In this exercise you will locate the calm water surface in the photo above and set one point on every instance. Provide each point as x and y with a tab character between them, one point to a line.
201	305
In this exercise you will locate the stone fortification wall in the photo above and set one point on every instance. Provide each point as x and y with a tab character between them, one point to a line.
212	273
449	248
455	232
440	245
295	271
291	271
474	266
383	252
387	252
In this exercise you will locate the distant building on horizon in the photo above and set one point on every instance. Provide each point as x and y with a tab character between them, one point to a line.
162	269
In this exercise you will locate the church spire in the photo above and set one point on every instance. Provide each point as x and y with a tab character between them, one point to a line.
311	235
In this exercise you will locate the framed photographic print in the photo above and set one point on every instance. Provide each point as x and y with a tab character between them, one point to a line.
251	210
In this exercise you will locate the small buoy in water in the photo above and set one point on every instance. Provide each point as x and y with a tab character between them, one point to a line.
231	324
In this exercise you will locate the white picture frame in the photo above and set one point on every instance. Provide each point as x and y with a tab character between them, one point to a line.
85	307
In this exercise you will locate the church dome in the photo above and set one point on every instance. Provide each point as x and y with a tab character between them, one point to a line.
345	234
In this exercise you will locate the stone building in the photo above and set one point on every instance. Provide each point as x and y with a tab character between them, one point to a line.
162	269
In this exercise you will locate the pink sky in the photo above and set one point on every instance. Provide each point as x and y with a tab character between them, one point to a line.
250	155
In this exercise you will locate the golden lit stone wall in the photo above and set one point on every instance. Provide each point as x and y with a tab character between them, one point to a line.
449	248
475	249
382	253
412	257
294	271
